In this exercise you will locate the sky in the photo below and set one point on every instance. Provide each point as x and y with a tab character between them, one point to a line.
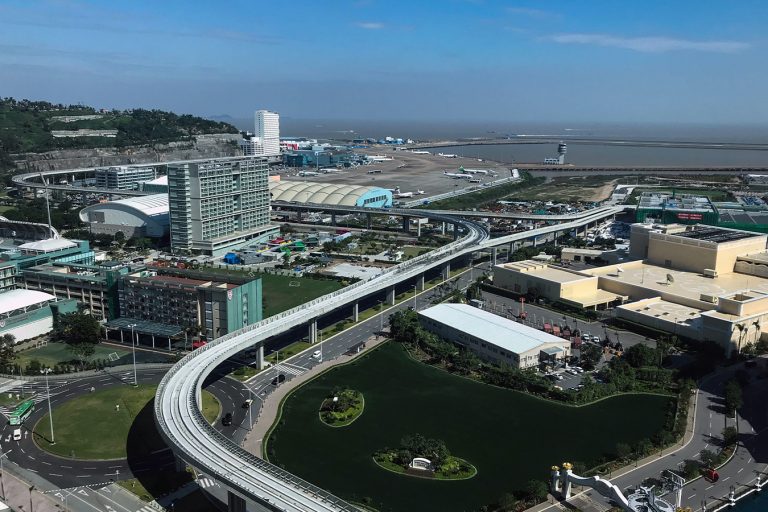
616	61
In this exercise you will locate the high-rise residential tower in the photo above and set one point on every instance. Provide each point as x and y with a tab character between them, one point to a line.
268	132
218	205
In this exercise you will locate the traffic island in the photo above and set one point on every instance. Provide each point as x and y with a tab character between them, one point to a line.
341	407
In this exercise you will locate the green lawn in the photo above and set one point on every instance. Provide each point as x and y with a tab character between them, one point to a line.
279	296
509	437
55	353
91	427
288	351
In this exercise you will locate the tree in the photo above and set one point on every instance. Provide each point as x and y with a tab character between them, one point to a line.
120	238
82	351
733	398
708	458
76	328
536	490
643	447
730	436
590	356
7	353
623	450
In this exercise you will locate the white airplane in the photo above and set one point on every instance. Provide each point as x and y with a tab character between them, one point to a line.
329	170
420	192
447	155
395	190
401	195
457	176
308	173
421	152
379	158
473	171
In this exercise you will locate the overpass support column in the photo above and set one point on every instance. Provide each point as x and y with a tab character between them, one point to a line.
368	220
446	271
235	503
313	331
418	228
494	252
420	282
355	312
406	225
333	219
455	231
511	250
442	228
391	296
260	358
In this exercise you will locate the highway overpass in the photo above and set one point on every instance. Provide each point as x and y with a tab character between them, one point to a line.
194	441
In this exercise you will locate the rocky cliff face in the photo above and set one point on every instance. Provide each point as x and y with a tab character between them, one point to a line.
204	146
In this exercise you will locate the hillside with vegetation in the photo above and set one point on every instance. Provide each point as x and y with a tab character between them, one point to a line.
28	127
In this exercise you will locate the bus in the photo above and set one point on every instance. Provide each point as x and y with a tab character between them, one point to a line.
21	412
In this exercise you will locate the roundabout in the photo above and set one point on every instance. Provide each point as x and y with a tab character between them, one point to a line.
112	450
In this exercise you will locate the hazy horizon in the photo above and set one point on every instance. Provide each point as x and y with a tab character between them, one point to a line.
576	61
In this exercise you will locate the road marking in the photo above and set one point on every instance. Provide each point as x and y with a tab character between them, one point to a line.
740	470
55	474
726	478
691	496
708	488
83	476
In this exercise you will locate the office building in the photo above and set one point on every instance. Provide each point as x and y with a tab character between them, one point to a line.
219	205
164	303
268	132
493	338
124	177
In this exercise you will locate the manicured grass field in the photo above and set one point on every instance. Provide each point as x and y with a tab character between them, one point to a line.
509	437
55	353
279	296
91	427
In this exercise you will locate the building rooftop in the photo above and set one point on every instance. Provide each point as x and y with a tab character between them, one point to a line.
713	234
503	333
544	271
151	205
48	245
162	180
655	200
19	299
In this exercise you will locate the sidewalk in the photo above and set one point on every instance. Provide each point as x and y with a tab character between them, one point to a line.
270	410
17	496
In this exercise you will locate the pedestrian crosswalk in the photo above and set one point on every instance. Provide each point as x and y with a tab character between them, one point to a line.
205	483
291	369
146	509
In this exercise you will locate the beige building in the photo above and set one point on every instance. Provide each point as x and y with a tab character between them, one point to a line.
575	288
494	338
703	282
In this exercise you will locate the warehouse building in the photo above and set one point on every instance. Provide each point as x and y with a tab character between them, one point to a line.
493	338
27	314
144	216
330	194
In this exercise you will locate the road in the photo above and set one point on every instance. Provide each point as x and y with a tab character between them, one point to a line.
88	485
710	420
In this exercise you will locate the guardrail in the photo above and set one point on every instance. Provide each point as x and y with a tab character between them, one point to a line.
183	427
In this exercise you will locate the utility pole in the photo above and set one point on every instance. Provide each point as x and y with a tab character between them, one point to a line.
46	371
133	346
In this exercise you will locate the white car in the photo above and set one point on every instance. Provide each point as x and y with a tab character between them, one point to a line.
317	354
17	434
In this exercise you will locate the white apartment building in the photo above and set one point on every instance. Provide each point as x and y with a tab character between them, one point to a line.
268	132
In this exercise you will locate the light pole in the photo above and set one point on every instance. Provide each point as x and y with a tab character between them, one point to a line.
46	371
2	484
133	347
250	406
414	297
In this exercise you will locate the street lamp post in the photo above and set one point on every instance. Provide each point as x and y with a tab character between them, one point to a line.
133	346
414	297
46	371
2	484
250	406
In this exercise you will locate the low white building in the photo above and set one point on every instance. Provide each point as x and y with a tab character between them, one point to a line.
493	338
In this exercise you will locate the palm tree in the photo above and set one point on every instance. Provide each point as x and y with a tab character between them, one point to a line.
741	328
